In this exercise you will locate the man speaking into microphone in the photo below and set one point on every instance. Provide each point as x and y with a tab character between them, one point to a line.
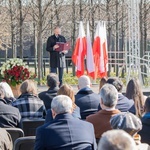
57	58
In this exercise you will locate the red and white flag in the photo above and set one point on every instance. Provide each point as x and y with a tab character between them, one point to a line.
89	57
100	51
80	51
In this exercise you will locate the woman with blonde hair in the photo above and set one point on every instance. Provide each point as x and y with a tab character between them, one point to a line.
66	90
9	96
28	103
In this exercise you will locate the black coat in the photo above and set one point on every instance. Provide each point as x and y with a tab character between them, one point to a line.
145	132
47	96
66	133
87	101
57	59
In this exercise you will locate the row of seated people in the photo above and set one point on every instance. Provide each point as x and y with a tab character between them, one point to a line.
67	132
85	102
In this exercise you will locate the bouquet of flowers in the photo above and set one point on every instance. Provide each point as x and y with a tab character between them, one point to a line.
15	71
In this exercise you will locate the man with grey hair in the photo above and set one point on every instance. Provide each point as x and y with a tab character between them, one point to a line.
108	101
86	99
65	132
116	140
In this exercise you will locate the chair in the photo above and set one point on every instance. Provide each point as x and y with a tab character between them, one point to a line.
24	143
86	113
15	133
29	126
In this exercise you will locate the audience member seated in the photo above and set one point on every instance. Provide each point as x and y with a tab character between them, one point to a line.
102	82
28	103
47	96
145	132
131	124
9	116
65	132
86	99
8	96
116	140
123	104
5	140
65	90
101	120
134	92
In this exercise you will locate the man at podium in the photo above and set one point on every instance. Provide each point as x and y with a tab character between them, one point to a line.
57	55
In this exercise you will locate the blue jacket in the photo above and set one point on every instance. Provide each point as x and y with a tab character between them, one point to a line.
124	104
145	132
88	101
66	133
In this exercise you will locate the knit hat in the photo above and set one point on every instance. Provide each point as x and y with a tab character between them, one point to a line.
127	122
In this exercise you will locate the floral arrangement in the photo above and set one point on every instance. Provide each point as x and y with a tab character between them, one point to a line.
15	71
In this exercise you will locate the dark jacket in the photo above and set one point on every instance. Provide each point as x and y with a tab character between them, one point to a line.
65	132
47	96
124	104
9	116
87	101
57	59
145	132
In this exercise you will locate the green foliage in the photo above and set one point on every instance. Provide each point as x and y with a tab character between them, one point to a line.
147	81
70	79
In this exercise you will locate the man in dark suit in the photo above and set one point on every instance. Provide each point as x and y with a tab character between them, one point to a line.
57	59
65	132
47	96
123	104
86	99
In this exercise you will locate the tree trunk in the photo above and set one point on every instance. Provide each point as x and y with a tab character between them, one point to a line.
73	31
92	18
109	36
12	30
39	41
81	11
117	38
56	13
20	29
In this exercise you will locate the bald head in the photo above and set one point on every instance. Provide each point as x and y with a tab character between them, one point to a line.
57	31
84	81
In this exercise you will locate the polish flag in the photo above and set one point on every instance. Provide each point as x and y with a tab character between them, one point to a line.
80	51
89	57
100	51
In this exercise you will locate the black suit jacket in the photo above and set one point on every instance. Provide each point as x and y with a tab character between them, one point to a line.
47	96
66	133
57	59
